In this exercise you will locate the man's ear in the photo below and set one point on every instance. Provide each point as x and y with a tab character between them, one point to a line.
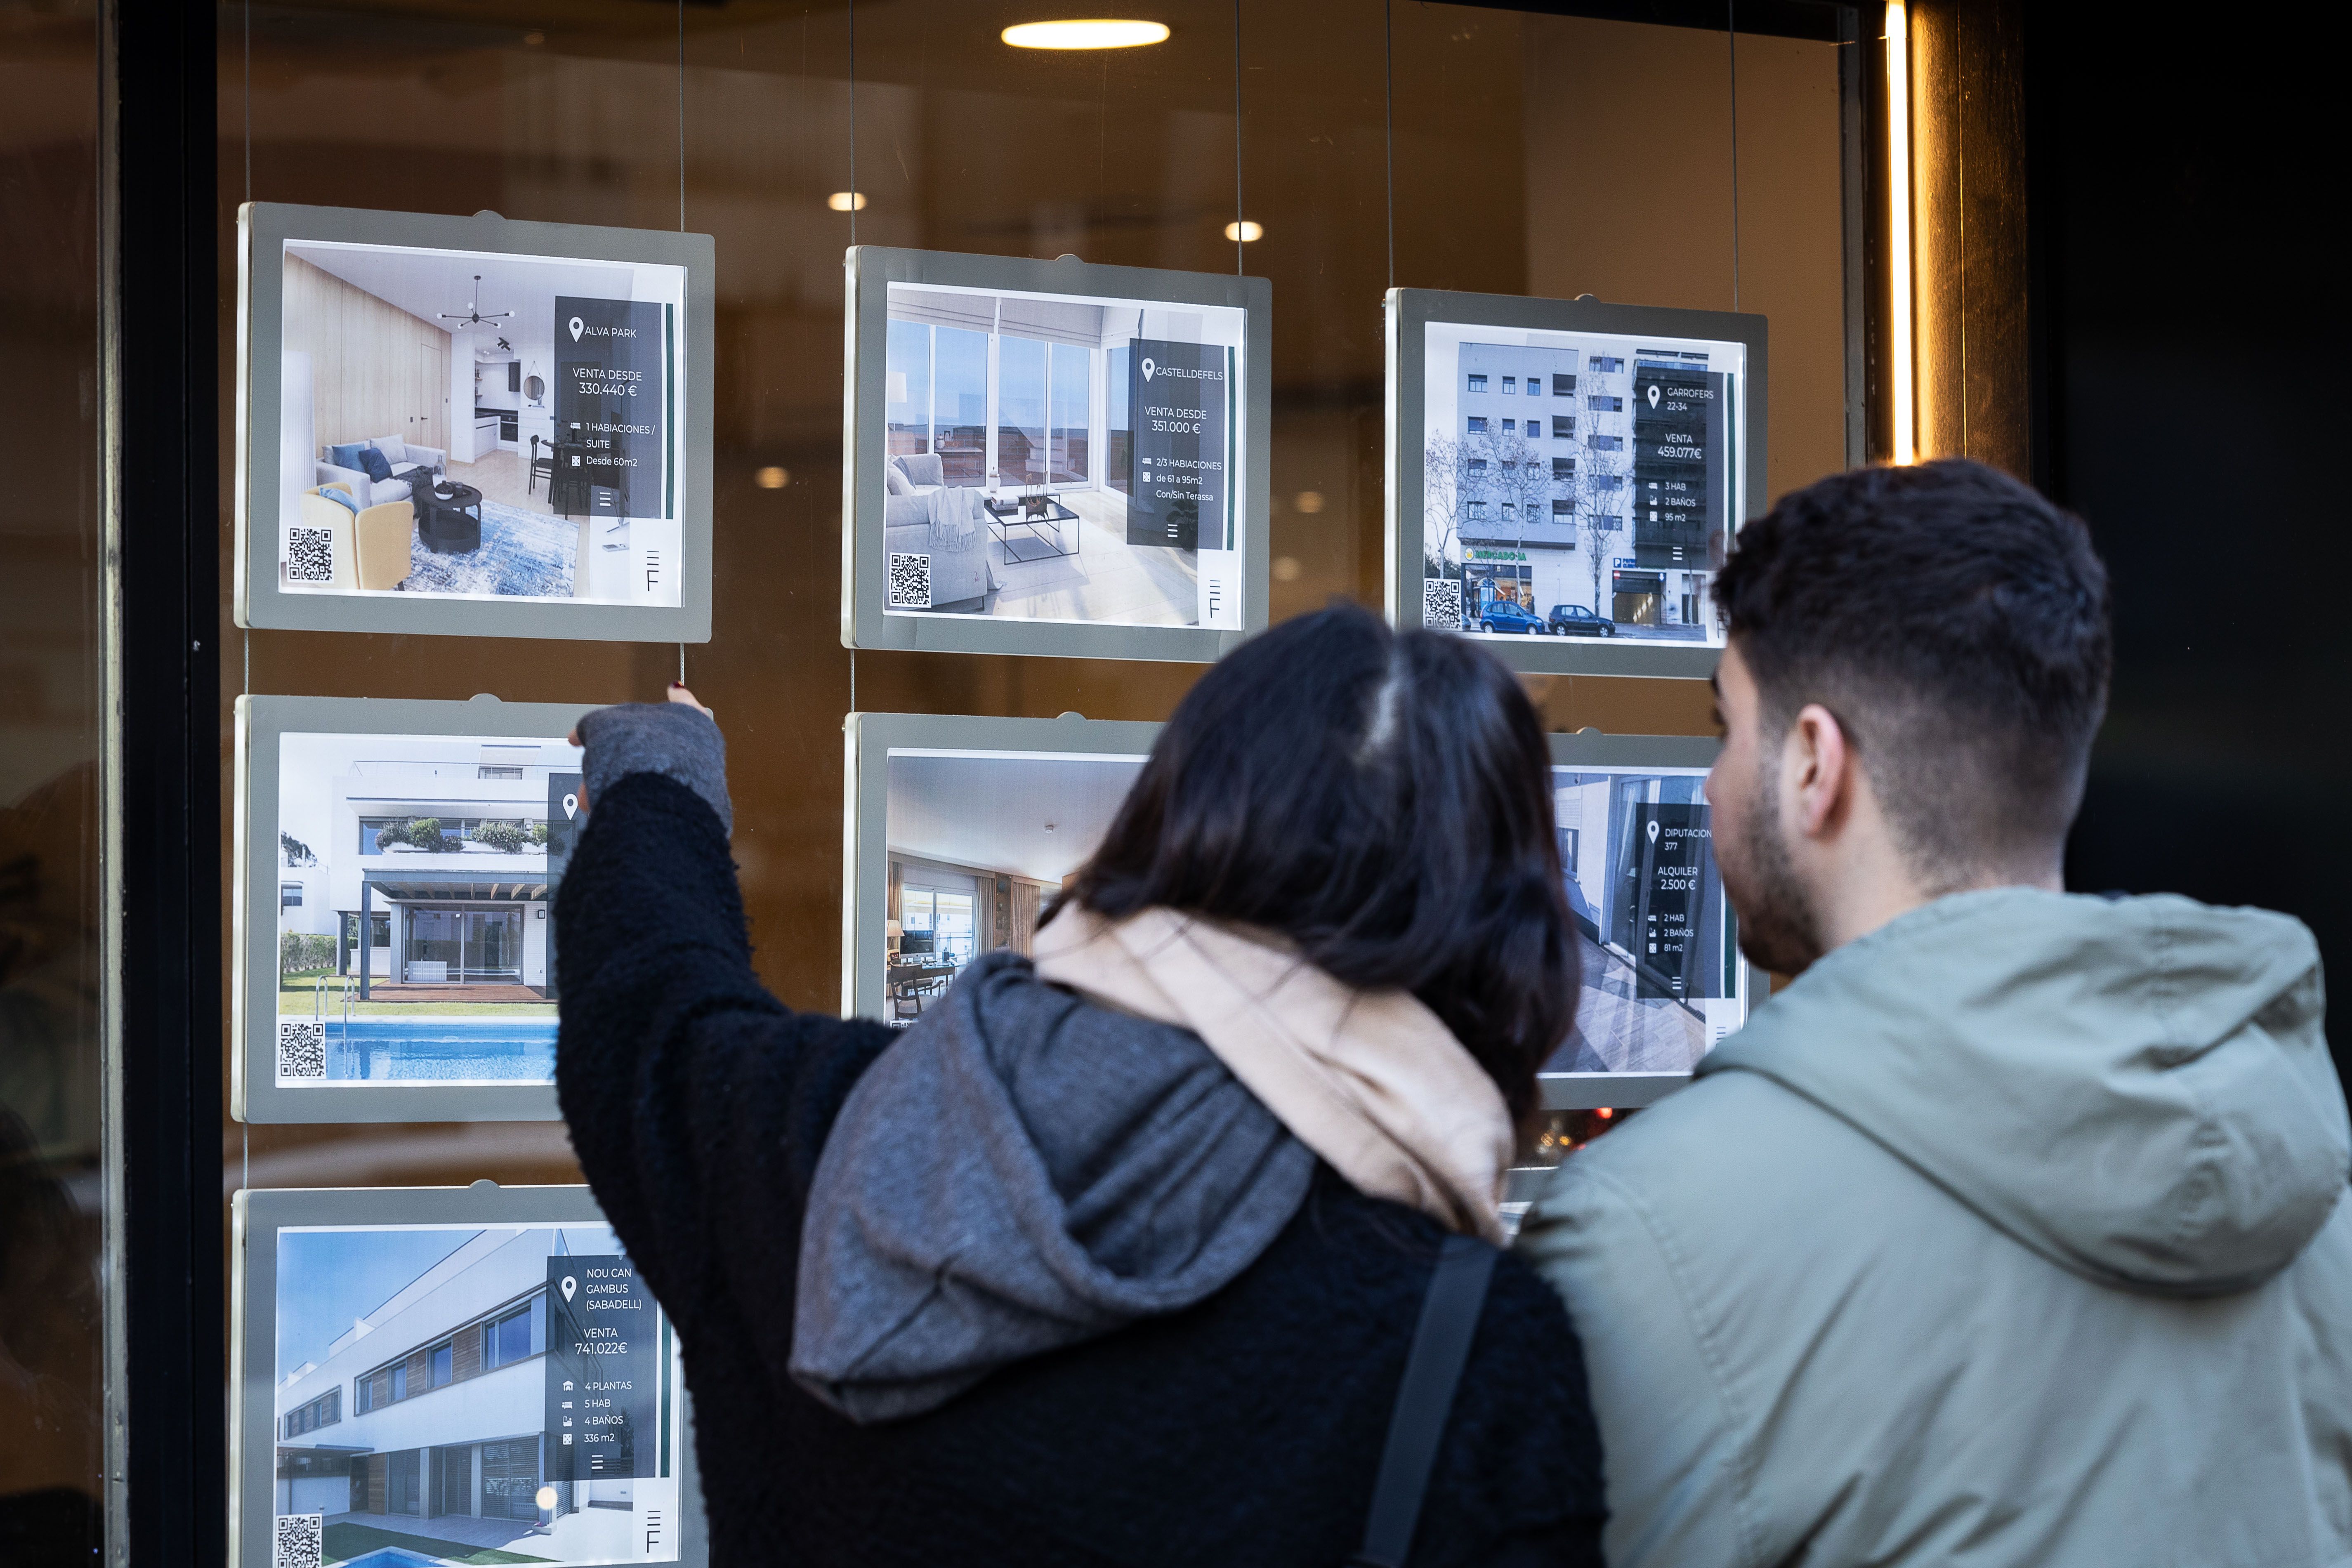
1819	781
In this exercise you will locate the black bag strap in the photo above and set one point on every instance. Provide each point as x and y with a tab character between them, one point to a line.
1433	1370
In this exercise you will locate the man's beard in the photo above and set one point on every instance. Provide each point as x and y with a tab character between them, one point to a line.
1778	928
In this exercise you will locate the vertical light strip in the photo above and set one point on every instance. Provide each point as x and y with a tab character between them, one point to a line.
1898	232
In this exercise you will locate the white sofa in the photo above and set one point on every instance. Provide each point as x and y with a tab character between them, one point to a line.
407	460
924	515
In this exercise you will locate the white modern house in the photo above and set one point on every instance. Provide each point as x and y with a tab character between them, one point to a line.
431	1404
427	1415
462	901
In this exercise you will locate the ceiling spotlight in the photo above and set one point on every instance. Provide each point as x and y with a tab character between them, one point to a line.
846	201
1088	33
1244	231
772	477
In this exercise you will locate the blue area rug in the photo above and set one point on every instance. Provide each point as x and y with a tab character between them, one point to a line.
523	555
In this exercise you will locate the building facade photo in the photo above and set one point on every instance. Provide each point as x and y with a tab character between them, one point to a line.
429	1418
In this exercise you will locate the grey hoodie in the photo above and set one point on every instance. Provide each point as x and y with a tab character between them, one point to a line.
2011	1233
1025	1171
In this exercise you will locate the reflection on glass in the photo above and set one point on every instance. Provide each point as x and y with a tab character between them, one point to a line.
1071	412
959	404
906	397
1020	456
1119	427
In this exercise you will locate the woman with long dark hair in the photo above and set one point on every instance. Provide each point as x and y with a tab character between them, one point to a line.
1117	1256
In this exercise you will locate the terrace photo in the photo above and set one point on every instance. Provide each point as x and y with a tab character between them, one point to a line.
415	878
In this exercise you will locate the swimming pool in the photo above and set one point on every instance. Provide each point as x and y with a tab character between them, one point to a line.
441	1049
394	1557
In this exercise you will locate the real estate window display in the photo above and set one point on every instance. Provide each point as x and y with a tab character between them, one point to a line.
1027	402
1018	422
1548	492
452	1434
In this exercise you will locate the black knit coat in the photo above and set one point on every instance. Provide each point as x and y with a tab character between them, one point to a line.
1243	1430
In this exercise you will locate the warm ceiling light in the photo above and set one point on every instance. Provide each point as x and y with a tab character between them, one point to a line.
846	201
1898	233
1244	231
772	478
1087	33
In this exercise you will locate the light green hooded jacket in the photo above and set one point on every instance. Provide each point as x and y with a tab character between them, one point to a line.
2009	1233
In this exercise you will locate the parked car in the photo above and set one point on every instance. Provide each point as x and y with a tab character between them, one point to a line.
1576	621
1504	616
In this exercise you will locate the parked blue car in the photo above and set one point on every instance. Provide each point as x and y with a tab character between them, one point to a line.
1504	616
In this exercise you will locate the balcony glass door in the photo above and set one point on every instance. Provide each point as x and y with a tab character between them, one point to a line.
494	946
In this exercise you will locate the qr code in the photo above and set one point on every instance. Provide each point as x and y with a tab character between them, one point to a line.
310	555
1441	603
301	1047
910	582
300	1542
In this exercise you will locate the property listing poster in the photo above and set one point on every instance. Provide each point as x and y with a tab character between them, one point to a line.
501	1394
1577	485
483	426
415	890
980	843
1063	458
1658	946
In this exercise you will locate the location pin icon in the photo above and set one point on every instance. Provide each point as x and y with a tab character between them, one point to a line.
1653	839
570	1285
576	327
571	806
1654	386
1148	368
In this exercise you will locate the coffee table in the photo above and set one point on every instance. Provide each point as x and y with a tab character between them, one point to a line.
1029	535
451	523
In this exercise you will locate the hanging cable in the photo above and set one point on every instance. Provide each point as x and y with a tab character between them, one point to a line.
1731	32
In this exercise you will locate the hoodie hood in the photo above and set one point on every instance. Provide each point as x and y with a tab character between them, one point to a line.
2138	1089
1025	1171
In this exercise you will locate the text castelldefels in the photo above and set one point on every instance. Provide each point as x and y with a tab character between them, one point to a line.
1182	486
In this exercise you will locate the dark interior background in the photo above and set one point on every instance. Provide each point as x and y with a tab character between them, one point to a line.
2191	401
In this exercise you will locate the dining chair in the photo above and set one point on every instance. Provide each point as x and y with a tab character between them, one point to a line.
540	467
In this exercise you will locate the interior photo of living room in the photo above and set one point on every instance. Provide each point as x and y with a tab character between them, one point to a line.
414	906
1662	981
420	1408
1010	465
979	843
427	443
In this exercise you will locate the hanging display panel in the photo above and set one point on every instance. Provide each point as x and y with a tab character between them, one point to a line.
960	831
394	903
1054	457
1663	978
472	426
450	1374
1564	476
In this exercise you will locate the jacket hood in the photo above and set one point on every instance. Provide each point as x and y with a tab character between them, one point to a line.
1022	1171
2137	1088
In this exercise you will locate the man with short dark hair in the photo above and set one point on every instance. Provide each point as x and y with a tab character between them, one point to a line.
2009	1231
